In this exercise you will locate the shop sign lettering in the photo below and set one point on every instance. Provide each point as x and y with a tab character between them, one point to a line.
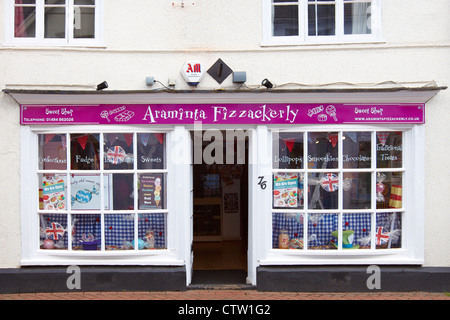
223	114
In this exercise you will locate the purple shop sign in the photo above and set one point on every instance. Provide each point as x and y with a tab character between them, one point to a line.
224	114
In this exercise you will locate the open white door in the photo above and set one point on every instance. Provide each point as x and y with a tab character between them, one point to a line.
180	154
190	242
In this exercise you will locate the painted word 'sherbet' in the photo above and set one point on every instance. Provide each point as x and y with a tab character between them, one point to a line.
223	114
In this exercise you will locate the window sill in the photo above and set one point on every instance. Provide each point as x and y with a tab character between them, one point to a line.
286	41
129	257
52	45
338	257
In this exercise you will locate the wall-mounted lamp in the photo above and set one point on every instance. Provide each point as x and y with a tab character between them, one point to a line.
149	81
239	76
266	83
102	86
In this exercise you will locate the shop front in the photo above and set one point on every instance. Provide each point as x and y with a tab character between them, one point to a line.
274	187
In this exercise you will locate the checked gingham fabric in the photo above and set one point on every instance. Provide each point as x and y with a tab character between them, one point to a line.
119	228
321	225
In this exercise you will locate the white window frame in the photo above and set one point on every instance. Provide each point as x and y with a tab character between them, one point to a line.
173	255
304	39
412	250
39	40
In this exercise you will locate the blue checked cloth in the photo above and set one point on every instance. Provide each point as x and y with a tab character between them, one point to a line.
119	228
320	227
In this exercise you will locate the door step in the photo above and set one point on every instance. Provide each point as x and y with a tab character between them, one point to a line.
210	286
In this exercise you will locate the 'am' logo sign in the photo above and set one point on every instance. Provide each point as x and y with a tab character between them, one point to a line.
192	72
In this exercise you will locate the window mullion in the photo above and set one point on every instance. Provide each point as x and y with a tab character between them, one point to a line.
40	11
340	189
339	18
302	19
69	21
69	192
305	193
136	192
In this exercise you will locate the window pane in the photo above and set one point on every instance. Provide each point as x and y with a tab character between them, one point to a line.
119	232
357	18
84	22
288	190
122	191
55	22
152	230
53	231
323	190
321	19
151	150
320	231
50	2
388	233
287	150
85	192
357	149
25	19
389	149
84	2
152	190
52	152
287	230
357	190
356	230
85	151
323	150
118	149
52	192
285	20
86	232
389	190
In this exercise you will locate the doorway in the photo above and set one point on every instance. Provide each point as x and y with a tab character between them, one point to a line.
220	210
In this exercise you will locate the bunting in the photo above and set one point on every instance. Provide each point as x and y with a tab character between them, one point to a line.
333	139
382	136
82	141
144	138
289	143
160	137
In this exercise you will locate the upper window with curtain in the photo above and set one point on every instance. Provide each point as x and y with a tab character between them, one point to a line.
321	21
53	22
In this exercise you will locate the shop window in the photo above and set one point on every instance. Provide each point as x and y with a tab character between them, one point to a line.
329	21
54	22
348	195
109	198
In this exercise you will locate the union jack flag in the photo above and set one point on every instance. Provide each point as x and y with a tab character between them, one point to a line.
115	155
382	237
329	182
55	231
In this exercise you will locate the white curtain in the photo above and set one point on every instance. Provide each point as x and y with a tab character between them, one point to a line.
361	18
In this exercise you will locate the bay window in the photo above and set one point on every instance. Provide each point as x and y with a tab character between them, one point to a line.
101	192
338	190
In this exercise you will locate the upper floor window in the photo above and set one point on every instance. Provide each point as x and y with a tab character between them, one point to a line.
53	22
321	21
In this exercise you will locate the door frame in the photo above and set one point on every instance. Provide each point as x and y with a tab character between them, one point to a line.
252	204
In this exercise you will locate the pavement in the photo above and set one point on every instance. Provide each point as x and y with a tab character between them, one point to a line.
223	294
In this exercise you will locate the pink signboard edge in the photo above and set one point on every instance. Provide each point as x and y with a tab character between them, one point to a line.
325	113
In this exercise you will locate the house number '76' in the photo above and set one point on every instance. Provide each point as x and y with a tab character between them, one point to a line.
262	183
